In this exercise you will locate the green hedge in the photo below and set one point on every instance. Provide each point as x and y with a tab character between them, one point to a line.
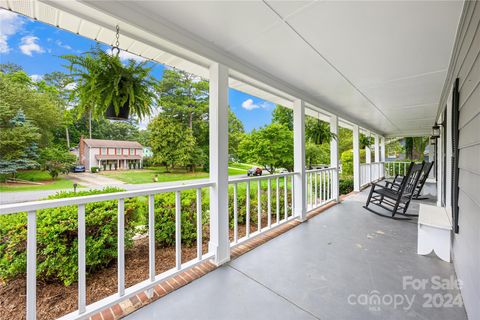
165	217
57	230
57	236
346	185
242	208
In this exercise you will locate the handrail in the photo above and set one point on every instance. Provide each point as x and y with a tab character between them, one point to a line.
54	203
319	170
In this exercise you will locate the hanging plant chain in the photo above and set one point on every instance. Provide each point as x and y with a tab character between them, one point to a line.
117	42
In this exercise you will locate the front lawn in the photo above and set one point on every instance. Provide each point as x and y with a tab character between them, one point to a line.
147	175
36	176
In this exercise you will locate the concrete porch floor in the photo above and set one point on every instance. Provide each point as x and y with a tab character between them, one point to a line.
322	269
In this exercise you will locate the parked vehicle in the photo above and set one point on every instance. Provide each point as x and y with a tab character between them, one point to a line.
78	168
254	171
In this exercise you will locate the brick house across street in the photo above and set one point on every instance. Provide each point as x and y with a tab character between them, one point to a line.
110	154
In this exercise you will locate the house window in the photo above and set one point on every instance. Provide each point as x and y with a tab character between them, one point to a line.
132	151
125	152
111	151
119	151
103	151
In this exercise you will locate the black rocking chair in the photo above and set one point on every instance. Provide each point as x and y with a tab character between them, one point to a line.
396	200
395	184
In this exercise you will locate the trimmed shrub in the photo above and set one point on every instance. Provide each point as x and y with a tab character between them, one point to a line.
94	169
242	208
346	185
165	217
57	238
347	161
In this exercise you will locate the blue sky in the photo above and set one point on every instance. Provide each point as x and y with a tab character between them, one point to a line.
37	47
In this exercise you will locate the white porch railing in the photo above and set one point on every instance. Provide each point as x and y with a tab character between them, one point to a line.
396	168
275	206
84	310
371	172
274	195
319	187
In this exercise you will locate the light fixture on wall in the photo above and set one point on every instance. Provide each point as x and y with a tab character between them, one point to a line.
436	131
433	140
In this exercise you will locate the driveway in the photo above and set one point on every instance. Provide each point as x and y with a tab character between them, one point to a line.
92	180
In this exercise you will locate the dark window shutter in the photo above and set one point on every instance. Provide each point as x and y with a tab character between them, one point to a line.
455	152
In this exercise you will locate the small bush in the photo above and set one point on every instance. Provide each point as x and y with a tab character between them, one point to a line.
165	217
347	161
242	208
95	169
346	185
57	238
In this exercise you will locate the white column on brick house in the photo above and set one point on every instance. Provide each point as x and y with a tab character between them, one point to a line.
300	199
334	156
219	243
356	158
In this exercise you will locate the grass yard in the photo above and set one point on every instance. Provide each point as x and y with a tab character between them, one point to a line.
36	176
147	175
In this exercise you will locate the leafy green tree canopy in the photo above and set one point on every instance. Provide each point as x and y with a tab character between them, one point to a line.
270	146
172	143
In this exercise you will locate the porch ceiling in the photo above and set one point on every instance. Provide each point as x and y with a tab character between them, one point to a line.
383	63
379	64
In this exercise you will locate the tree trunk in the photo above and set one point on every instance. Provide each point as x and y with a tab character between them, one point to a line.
67	135
90	124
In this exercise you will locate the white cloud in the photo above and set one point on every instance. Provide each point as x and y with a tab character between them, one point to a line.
125	55
10	23
29	45
36	77
250	105
4	44
71	86
63	45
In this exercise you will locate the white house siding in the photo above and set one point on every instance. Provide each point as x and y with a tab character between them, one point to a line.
465	65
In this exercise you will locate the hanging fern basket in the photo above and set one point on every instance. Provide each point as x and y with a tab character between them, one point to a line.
123	112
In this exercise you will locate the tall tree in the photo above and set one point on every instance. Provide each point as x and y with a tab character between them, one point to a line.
283	115
270	146
235	133
172	143
184	97
42	109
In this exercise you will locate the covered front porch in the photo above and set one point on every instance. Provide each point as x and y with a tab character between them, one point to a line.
362	66
344	263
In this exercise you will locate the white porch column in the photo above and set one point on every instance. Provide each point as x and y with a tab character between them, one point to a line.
334	157
377	148
382	149
300	198
368	158
356	158
218	114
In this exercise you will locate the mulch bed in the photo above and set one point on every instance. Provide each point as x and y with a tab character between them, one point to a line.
55	300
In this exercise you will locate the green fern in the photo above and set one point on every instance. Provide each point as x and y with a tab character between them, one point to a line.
103	80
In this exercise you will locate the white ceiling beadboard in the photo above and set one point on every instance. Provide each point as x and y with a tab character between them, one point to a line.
380	64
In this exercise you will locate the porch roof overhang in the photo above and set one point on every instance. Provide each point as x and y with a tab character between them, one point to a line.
381	65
